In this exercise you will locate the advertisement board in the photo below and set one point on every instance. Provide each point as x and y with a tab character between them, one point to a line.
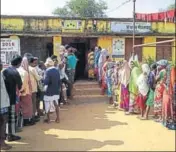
9	48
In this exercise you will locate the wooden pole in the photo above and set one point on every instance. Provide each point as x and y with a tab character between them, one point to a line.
134	18
149	44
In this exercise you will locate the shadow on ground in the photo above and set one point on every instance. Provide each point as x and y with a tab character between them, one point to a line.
79	118
54	143
45	137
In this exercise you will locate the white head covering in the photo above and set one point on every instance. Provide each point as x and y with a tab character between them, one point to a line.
142	84
96	48
61	49
146	68
49	62
125	74
142	80
103	55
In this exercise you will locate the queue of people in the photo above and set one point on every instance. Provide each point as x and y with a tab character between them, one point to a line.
138	88
27	82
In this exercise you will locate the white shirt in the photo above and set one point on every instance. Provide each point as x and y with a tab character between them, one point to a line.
63	74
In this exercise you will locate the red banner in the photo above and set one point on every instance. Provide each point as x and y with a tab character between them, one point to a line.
168	16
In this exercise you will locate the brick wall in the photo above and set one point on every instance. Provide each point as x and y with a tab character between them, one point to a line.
35	45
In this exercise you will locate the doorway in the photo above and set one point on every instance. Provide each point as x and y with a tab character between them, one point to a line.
81	56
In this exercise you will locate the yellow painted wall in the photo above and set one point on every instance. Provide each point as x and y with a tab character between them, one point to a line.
149	51
103	26
163	27
106	43
12	24
54	24
14	37
57	41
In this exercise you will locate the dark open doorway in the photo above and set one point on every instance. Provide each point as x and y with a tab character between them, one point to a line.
81	56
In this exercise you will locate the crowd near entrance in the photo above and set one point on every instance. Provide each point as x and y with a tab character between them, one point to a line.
82	46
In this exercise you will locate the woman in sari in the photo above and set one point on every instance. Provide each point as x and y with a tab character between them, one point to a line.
136	71
143	88
125	78
168	97
26	93
108	77
90	64
159	94
103	79
171	124
101	61
114	79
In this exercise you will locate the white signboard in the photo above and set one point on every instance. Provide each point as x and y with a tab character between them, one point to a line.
118	48
127	27
9	48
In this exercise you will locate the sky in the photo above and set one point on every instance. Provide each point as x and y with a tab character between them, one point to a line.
45	7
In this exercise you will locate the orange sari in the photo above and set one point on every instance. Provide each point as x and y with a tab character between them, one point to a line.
168	108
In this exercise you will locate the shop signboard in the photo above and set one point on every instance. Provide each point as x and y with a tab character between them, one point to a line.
127	27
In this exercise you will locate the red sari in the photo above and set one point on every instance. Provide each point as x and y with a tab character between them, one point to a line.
158	98
167	106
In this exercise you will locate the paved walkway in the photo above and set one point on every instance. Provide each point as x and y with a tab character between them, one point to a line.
96	127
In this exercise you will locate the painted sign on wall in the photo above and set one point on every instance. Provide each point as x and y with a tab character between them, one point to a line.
10	24
127	27
54	25
103	26
9	48
73	26
118	47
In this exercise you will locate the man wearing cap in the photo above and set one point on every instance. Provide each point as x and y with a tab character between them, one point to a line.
13	83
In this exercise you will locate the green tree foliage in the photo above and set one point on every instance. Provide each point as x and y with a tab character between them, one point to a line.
171	6
82	8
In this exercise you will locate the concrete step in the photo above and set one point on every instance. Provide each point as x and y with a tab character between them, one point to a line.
86	84
90	97
81	86
79	99
87	91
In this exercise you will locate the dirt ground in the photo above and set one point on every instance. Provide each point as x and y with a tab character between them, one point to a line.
96	127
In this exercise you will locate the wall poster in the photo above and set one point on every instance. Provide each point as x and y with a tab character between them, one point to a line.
9	48
118	47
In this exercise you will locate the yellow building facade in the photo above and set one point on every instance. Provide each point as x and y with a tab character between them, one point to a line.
115	35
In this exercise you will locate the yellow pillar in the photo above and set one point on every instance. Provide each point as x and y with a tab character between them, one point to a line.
105	43
57	40
149	51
